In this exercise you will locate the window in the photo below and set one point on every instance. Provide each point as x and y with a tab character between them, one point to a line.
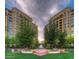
10	18
10	26
73	21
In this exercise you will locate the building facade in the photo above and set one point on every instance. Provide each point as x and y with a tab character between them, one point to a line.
8	23
64	21
13	18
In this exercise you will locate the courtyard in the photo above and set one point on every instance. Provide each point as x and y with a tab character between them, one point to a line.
14	55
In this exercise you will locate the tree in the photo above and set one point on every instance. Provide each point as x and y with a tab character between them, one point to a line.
25	33
12	42
69	40
6	41
46	37
51	35
54	38
35	43
61	38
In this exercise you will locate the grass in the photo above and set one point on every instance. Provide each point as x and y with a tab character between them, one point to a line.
10	55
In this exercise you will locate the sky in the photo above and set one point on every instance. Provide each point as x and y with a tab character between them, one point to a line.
40	10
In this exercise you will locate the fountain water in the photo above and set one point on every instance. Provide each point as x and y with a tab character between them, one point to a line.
41	46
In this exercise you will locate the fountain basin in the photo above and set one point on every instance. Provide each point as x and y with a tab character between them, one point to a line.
40	52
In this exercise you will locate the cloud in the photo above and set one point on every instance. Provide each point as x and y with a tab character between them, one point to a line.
40	11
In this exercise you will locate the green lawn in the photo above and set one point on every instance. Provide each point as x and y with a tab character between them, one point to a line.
9	55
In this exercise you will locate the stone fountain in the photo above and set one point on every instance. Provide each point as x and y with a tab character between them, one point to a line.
40	51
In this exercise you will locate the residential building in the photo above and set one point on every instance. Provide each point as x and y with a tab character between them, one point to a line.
13	18
64	21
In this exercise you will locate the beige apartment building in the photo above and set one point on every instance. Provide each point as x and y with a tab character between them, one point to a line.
12	19
64	21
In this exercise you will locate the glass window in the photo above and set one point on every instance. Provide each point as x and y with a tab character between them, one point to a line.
73	21
10	26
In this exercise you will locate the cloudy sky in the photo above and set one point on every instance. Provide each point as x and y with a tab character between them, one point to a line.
40	10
